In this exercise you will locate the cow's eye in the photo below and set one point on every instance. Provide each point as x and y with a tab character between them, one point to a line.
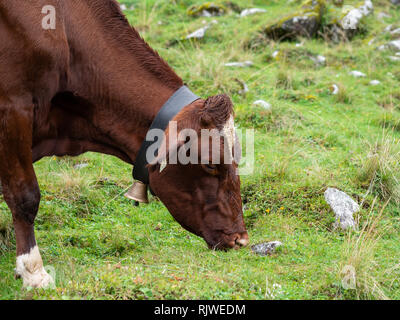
210	168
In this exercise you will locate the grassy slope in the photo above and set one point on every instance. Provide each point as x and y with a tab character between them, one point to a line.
104	248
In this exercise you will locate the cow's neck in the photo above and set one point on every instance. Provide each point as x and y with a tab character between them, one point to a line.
119	85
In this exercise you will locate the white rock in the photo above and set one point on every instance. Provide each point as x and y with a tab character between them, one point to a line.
334	89
275	54
375	82
239	64
371	42
205	13
393	58
357	74
394	45
343	206
353	18
319	60
388	28
395	31
198	34
80	166
266	248
398	54
248	12
300	44
382	47
244	89
123	7
263	104
367	8
383	15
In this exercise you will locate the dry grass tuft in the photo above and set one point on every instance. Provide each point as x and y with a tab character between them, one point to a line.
380	170
358	265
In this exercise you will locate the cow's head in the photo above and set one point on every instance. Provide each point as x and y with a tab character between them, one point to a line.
204	197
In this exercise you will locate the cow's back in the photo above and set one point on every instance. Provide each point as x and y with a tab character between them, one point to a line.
31	57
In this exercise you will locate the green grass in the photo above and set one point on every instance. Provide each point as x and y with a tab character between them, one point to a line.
102	247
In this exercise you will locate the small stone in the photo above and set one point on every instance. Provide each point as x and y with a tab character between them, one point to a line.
383	15
343	206
266	248
394	45
198	34
275	54
123	7
375	82
319	60
239	64
244	86
388	28
248	12
263	104
393	58
334	89
357	74
80	166
395	32
382	48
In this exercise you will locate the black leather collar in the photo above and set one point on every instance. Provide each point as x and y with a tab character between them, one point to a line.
180	99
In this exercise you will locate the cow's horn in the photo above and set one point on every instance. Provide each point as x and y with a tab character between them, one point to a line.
138	192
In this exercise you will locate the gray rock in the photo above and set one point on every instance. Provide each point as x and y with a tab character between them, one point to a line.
354	17
350	24
383	15
343	206
245	88
374	82
80	166
394	45
396	2
319	60
394	58
263	104
248	12
239	64
357	74
266	248
395	32
207	10
304	23
198	34
334	89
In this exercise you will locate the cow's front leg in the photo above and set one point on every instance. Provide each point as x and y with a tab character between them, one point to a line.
21	190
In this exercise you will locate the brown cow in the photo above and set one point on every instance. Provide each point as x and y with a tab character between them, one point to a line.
93	84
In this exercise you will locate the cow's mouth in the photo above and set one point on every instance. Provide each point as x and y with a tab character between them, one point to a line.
230	241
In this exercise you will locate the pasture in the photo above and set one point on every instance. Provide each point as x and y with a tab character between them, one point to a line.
100	246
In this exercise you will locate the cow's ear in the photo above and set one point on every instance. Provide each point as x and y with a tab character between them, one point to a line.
216	111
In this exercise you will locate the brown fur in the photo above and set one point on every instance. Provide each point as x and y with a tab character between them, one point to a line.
93	84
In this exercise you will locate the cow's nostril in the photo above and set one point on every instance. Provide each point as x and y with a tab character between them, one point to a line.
242	242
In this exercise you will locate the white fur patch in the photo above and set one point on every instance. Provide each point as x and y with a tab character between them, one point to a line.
30	268
163	165
229	133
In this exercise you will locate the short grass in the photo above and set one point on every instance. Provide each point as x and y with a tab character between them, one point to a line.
102	247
